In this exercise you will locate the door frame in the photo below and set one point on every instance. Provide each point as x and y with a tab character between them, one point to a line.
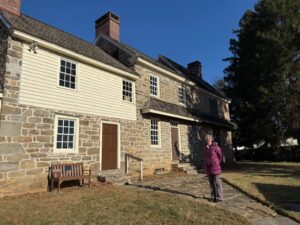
119	143
179	140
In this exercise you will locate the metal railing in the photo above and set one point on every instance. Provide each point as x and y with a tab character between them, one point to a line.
127	162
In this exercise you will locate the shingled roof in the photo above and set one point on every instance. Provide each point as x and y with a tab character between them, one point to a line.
53	35
128	56
169	108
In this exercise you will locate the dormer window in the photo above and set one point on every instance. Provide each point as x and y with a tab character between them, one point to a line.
67	76
154	86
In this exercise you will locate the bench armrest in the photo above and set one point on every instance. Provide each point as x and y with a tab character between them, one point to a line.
55	174
90	171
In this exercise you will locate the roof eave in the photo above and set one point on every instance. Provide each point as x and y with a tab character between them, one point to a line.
6	23
161	113
29	38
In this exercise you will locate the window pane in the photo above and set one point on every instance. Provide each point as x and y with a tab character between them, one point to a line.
65	145
70	145
65	138
59	137
60	122
59	130
58	145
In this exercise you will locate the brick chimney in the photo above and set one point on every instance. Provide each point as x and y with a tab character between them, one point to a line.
109	24
194	69
11	6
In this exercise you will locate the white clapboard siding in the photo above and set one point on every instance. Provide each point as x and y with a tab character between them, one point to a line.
98	92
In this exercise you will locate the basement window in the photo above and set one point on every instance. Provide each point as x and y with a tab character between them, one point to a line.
67	76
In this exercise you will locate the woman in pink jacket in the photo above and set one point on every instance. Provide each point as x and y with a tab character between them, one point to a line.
212	163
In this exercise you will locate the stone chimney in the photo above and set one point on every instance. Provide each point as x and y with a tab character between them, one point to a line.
194	69
11	6
109	24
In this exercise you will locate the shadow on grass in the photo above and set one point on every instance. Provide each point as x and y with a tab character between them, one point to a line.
285	196
265	169
155	188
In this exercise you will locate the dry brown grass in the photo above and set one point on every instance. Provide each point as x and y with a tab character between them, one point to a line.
111	205
275	184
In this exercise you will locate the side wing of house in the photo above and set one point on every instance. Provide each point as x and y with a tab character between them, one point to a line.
176	109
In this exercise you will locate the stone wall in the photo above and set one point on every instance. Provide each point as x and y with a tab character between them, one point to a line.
27	135
3	51
191	134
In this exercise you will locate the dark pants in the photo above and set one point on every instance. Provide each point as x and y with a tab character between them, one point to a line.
215	186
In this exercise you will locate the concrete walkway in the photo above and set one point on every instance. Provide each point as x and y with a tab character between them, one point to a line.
196	187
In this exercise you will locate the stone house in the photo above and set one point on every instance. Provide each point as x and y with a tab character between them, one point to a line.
63	100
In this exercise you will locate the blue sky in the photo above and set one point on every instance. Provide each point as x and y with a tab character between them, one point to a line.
183	30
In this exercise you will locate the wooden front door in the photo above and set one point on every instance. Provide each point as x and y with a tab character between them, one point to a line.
175	143
109	146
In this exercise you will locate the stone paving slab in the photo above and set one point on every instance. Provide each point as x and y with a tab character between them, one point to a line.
196	187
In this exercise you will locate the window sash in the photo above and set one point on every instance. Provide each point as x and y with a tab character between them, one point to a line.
154	133
67	75
127	91
66	134
182	95
154	85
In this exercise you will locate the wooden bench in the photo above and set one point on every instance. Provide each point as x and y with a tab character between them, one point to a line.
66	172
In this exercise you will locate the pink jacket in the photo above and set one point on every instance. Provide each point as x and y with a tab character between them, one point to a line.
212	159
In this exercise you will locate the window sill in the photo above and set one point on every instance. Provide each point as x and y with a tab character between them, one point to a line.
155	146
67	89
56	151
132	103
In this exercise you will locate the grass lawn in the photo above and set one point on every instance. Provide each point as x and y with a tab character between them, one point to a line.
277	184
111	205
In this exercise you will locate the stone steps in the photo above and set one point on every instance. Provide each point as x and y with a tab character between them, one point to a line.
187	168
115	177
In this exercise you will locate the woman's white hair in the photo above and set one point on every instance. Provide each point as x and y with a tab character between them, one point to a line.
209	137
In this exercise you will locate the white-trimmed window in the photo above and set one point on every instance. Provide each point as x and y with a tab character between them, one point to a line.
182	94
127	91
65	134
154	133
154	85
67	75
